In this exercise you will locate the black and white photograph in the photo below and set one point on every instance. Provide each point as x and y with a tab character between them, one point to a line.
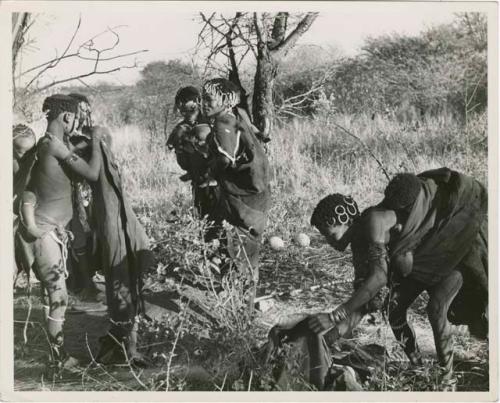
251	197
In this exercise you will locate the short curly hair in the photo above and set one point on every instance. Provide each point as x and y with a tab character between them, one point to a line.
325	211
402	191
57	104
186	94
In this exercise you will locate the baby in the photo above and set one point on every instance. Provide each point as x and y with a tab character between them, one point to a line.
23	141
189	139
202	170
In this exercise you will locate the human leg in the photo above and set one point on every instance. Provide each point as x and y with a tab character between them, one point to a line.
120	343
49	267
244	249
401	296
81	264
441	296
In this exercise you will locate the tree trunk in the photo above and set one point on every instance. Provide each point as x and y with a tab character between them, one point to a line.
19	23
262	102
269	55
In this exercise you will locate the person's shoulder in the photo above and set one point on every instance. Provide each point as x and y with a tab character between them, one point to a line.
377	221
226	118
226	123
46	145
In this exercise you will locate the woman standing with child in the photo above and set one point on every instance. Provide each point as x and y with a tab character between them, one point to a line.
234	167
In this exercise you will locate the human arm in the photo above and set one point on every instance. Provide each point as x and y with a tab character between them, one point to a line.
224	142
75	163
377	226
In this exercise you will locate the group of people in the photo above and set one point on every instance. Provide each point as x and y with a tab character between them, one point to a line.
429	233
70	207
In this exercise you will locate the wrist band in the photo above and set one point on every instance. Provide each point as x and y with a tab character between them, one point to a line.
72	157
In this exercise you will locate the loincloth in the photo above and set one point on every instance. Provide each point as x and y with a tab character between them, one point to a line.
45	254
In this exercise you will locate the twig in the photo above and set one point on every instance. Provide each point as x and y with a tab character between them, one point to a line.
30	305
171	357
82	76
101	367
76	54
56	61
132	369
221	388
366	147
250	381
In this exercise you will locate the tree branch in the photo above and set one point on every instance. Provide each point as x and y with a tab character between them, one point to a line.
279	29
258	28
82	76
301	28
57	59
102	59
88	46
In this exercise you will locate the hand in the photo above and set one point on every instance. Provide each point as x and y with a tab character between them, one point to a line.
97	135
320	323
339	314
57	147
101	133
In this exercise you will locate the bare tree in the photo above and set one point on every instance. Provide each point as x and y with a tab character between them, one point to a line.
88	50
268	37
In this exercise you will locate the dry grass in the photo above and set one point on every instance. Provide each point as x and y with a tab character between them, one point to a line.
309	159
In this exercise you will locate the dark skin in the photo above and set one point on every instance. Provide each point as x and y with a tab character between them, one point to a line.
51	184
381	224
51	181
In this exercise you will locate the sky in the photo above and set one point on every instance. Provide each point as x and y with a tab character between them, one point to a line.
170	33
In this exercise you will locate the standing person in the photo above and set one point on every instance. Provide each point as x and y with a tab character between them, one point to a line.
428	234
51	183
121	245
240	166
124	255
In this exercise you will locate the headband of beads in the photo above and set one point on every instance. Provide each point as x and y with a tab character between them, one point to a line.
224	97
344	212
